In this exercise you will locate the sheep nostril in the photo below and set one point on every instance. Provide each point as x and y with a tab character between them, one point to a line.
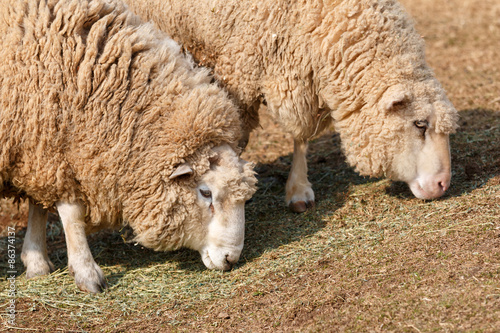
443	186
229	263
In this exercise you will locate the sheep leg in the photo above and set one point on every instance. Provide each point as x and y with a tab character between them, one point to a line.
34	253
299	194
88	275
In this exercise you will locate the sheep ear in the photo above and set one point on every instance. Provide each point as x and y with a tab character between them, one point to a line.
181	170
393	97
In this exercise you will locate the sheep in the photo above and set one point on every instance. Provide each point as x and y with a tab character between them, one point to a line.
356	64
104	119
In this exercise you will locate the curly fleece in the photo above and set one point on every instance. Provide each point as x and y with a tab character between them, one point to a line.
100	108
314	62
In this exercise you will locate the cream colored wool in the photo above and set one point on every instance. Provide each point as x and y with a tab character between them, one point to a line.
99	108
313	59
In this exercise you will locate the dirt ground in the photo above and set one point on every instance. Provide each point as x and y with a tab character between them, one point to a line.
369	258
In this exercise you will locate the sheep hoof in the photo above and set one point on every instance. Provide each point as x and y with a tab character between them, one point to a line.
94	287
300	206
90	280
43	267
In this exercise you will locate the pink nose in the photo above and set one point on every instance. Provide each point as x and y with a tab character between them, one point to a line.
437	186
431	187
444	186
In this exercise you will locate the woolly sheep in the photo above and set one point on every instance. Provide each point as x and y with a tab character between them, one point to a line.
357	63
103	118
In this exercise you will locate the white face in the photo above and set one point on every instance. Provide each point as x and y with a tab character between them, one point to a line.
221	196
425	164
225	231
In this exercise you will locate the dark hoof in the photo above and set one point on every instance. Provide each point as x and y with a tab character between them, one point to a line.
300	206
93	286
90	279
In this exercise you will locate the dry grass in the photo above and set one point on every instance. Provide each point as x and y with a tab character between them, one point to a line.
369	258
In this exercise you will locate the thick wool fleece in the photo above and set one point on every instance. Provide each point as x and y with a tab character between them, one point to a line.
97	107
315	61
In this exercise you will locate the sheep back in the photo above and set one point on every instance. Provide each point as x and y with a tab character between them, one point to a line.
308	59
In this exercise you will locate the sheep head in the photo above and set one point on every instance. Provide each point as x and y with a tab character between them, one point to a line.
221	193
404	136
423	158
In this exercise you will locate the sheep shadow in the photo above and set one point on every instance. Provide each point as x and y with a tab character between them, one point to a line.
475	154
270	224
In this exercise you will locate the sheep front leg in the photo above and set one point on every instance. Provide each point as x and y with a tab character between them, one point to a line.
34	253
299	194
88	275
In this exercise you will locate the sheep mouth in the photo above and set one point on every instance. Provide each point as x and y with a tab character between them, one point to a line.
207	261
225	265
418	191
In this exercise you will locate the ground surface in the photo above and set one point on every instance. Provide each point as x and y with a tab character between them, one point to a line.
369	258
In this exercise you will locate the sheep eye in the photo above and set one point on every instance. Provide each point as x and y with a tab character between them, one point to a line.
422	124
398	104
206	193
